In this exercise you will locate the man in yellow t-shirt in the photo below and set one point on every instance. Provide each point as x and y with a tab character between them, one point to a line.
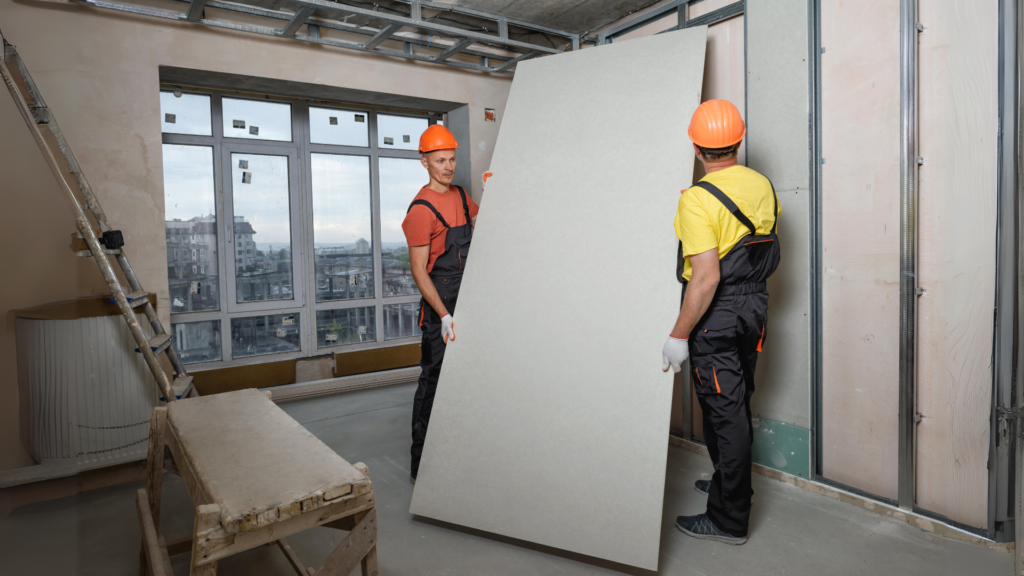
726	226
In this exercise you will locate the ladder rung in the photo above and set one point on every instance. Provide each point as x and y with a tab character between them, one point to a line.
158	343
114	252
181	386
136	299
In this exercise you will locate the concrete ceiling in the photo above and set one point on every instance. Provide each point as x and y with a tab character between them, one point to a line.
576	16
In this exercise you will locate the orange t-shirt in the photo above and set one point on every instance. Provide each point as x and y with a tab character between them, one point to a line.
422	227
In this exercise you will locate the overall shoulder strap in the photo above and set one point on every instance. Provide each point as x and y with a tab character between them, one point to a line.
465	204
432	209
729	204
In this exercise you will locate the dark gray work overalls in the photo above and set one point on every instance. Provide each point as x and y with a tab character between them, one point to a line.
723	354
447	277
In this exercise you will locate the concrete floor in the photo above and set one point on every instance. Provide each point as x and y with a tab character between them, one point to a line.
793	532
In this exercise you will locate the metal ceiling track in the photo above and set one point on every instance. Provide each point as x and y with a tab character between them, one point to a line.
679	8
424	38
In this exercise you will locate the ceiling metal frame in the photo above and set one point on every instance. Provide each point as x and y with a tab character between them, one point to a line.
679	7
447	41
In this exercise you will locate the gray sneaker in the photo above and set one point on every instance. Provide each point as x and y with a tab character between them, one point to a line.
700	526
703	486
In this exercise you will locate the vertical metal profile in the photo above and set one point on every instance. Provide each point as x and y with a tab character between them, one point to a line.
908	250
1005	422
814	154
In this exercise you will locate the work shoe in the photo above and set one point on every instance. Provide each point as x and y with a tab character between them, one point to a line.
703	486
700	526
413	480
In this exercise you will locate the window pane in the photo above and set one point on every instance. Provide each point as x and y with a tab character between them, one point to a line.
339	127
399	132
342	227
185	114
347	326
191	228
259	335
197	341
401	321
400	181
263	247
257	120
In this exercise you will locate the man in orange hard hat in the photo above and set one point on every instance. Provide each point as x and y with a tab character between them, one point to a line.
726	226
438	228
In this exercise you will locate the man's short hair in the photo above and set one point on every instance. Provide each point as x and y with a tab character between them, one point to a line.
715	154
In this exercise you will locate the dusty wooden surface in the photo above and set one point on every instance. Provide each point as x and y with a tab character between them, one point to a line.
255	462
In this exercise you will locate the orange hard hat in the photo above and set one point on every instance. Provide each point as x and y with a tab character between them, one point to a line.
716	124
437	137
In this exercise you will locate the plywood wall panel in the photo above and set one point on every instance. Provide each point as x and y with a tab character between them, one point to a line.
860	118
958	116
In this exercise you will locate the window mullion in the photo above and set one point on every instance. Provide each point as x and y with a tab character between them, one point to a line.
378	270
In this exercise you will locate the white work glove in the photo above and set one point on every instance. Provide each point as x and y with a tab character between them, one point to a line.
674	353
448	328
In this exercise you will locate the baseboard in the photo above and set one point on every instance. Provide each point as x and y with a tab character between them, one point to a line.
303	390
912	518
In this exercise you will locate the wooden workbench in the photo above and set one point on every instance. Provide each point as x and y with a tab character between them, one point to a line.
255	476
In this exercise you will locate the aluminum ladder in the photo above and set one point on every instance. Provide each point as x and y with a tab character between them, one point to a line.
107	242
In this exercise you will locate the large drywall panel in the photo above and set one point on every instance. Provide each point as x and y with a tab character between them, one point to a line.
723	79
958	118
778	146
551	418
100	73
860	194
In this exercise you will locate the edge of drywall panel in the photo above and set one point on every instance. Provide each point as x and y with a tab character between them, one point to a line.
912	518
304	390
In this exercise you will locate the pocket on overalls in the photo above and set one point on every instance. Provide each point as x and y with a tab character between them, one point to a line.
715	335
704	375
462	250
448	290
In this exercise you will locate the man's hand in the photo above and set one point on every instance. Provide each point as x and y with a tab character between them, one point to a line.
448	328
674	353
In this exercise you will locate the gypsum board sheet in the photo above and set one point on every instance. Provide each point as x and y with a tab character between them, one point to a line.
551	418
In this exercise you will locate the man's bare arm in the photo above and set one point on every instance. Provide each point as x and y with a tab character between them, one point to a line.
699	292
418	258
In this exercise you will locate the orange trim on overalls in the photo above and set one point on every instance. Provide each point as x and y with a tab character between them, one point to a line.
758	242
421	316
697	372
715	372
762	338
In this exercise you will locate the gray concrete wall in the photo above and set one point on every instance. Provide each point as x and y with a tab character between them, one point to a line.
778	145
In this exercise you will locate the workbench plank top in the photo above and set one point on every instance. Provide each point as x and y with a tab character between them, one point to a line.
255	461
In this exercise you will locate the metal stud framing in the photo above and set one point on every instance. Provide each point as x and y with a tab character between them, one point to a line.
677	7
497	53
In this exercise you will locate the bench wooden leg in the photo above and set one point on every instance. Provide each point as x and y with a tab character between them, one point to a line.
155	560
355	550
207	520
369	563
154	475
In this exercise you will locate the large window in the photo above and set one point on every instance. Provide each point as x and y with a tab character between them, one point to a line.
301	206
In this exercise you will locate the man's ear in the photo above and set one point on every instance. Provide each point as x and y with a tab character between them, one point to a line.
696	151
423	160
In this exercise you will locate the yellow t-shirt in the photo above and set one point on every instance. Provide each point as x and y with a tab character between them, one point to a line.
703	223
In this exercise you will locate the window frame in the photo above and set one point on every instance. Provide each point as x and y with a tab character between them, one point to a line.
300	151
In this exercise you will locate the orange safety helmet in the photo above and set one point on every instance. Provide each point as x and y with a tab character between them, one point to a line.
437	137
716	124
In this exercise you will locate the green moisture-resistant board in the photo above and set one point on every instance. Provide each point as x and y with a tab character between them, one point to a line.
782	447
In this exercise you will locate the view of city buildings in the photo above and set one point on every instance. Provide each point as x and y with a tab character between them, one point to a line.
261	274
192	264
